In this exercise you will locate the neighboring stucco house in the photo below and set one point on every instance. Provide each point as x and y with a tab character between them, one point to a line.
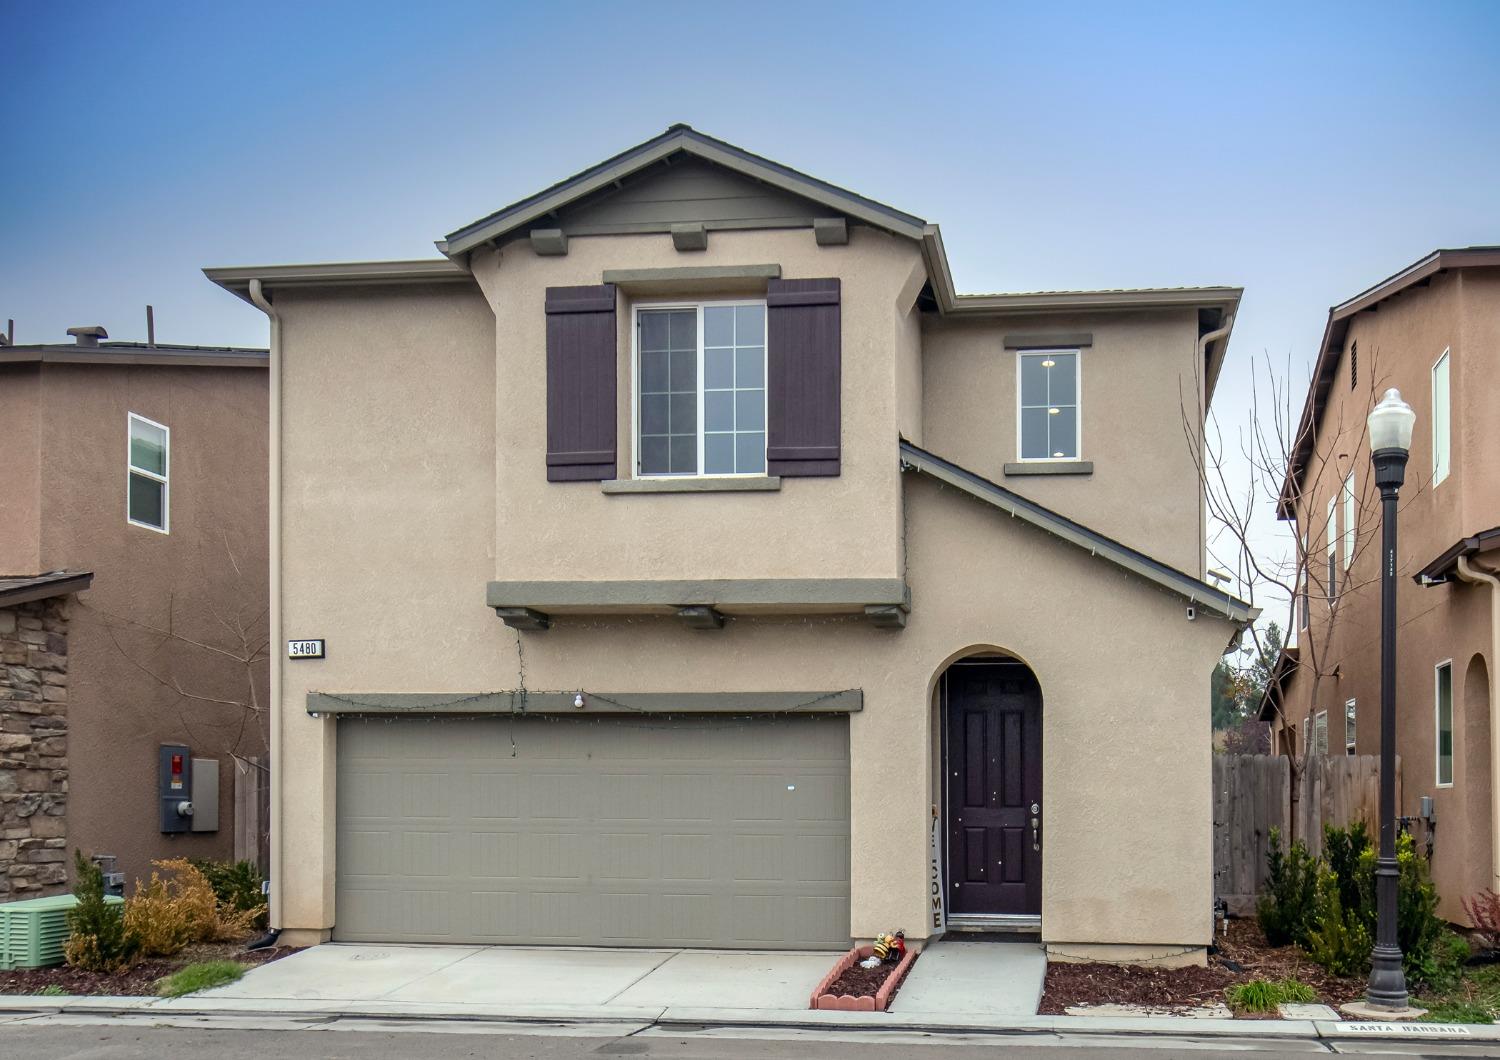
144	466
683	546
1432	331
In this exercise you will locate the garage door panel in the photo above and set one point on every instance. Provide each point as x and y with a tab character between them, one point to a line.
613	831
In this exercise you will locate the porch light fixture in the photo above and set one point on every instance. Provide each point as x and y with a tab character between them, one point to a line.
1390	426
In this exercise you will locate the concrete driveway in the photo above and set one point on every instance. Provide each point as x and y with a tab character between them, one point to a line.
515	979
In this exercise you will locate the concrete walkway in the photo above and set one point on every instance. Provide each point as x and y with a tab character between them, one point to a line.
974	978
519	978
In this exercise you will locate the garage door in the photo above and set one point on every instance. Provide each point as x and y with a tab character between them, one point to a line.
642	830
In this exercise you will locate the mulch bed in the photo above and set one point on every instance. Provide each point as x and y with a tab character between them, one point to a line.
139	981
1242	954
862	982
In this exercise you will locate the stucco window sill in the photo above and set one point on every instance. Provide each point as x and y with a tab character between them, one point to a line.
1047	467
734	484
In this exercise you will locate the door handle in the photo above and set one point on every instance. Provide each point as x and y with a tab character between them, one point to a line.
1036	823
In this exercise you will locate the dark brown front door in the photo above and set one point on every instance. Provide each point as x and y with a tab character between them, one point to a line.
993	766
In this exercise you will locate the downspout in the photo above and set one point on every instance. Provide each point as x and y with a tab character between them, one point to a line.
1478	576
273	523
1202	374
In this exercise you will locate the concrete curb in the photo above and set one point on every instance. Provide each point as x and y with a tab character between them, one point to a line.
686	1018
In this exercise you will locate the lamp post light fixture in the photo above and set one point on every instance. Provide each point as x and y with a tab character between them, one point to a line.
1390	426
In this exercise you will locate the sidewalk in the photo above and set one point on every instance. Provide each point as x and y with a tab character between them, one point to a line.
964	989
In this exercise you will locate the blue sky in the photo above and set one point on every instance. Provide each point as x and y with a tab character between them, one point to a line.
1303	151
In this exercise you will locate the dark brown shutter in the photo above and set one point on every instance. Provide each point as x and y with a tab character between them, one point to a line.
581	373
802	375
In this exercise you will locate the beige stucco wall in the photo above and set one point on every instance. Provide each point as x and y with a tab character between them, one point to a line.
573	531
414	471
20	495
121	703
1138	382
1458	311
388	460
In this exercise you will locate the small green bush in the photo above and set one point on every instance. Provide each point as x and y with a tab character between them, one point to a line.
1342	849
236	885
1339	940
1418	927
98	941
1263	995
1287	908
52	990
204	976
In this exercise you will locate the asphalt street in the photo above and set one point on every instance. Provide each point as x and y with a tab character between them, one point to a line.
90	1038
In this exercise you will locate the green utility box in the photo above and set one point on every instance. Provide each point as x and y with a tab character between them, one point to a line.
32	933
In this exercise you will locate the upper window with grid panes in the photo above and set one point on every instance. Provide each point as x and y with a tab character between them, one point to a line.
700	374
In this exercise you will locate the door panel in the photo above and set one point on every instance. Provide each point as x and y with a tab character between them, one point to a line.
993	757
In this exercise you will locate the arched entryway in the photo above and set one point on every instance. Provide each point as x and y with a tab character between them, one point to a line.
1476	778
989	708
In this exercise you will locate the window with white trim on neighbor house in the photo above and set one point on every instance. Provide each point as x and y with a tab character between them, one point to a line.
1048	424
1442	694
1320	733
1349	726
1350	514
1333	549
701	389
146	495
1441	427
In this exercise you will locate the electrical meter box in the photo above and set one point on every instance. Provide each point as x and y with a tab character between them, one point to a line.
175	785
205	789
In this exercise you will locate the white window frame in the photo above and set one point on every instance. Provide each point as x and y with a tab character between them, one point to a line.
1442	443
1437	727
1021	355
1307	742
1351	710
1350	521
1305	597
635	386
1320	733
1332	588
165	480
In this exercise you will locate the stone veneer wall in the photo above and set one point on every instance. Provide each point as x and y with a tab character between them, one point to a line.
33	749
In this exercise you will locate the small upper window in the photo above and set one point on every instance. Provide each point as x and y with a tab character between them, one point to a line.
1443	695
1353	365
1333	550
1320	733
146	495
1440	425
1349	726
1049	424
701	378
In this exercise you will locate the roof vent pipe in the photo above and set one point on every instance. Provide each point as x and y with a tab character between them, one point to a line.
88	336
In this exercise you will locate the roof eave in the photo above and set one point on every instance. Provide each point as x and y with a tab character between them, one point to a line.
236	279
43	588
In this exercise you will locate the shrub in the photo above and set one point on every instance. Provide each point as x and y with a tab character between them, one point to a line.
1418	927
1484	910
1342	848
1263	995
1289	904
203	976
236	885
168	914
1339	940
100	939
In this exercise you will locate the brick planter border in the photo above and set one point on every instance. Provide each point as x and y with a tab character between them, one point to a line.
821	999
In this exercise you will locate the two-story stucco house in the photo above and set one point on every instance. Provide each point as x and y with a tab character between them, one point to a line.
1431	330
687	554
132	604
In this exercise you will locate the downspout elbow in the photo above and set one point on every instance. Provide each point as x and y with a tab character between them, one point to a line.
1478	576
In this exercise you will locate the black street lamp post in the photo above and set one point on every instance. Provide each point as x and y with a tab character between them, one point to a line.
1390	426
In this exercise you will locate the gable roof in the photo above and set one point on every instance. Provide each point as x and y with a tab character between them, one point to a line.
1196	592
1216	305
1274	694
1331	351
677	140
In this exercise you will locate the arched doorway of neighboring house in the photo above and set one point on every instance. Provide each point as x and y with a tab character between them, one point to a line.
1475	737
989	708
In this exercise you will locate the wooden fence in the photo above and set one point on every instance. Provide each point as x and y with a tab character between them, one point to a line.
252	797
1255	793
